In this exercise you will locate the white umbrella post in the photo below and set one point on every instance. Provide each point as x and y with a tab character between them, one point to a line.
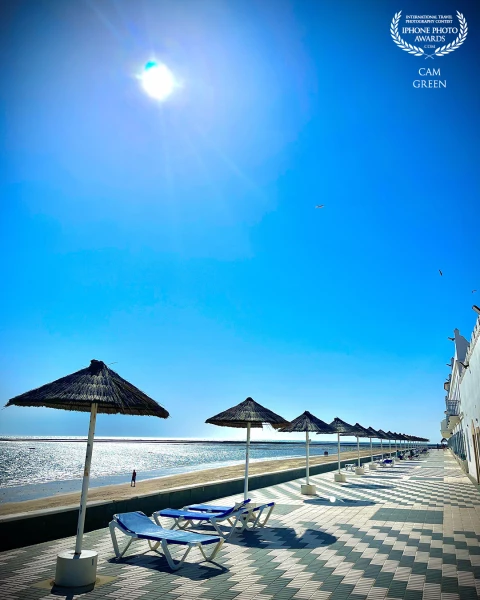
79	568
247	460
307	441
306	488
340	477
372	464
359	470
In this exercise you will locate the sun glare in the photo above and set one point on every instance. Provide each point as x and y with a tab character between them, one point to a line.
157	80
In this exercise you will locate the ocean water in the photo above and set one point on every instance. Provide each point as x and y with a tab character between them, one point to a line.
34	468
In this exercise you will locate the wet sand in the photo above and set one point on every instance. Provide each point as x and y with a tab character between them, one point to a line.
150	486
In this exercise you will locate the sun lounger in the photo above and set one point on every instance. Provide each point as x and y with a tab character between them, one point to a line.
183	519
257	513
214	508
239	519
255	518
137	526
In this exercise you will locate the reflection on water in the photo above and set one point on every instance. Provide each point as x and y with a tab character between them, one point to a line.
33	461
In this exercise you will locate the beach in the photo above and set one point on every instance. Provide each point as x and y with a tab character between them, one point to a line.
150	486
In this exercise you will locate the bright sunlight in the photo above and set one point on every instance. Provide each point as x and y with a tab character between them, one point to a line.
157	80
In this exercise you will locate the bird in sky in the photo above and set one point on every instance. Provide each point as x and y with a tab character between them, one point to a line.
452	339
440	272
320	205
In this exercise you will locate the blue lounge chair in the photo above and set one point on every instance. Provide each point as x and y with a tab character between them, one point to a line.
137	526
254	520
183	519
214	508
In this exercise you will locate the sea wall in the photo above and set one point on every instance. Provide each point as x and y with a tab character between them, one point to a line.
25	529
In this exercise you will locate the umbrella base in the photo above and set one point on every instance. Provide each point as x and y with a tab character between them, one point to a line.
76	571
359	471
308	490
373	466
340	477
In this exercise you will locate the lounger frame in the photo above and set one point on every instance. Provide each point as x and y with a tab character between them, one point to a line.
239	521
236	520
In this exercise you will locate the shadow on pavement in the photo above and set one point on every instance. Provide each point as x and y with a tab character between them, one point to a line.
191	570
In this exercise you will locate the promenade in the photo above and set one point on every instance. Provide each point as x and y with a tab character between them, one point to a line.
412	531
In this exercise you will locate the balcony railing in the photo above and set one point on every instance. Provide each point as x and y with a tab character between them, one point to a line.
453	408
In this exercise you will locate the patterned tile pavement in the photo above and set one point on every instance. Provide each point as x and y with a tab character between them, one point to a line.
412	531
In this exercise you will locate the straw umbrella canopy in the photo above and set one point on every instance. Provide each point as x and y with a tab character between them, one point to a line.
382	436
95	389
395	438
341	428
372	434
360	432
247	414
307	422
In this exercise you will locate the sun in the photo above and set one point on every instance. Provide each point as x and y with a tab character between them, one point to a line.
157	80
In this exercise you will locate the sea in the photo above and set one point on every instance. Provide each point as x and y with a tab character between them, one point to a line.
37	467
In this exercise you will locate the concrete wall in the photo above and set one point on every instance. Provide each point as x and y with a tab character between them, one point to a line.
43	526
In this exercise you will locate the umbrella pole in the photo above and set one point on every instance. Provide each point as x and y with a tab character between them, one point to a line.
390	448
86	477
247	460
308	457
358	451
338	436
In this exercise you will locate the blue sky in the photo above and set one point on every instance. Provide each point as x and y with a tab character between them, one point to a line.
180	240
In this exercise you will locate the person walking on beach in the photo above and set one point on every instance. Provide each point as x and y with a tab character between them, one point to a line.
134	478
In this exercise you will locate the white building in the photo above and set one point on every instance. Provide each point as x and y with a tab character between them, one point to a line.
461	426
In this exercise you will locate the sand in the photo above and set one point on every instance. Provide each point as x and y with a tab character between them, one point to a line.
150	486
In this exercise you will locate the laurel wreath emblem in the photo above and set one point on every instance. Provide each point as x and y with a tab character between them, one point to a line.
459	41
416	51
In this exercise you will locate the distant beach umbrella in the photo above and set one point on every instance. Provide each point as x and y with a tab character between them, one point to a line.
247	414
372	434
95	389
382	436
308	423
360	432
341	428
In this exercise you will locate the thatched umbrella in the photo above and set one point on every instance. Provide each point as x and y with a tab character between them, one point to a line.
402	438
372	434
396	437
307	422
360	432
341	428
390	436
247	414
383	436
95	389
